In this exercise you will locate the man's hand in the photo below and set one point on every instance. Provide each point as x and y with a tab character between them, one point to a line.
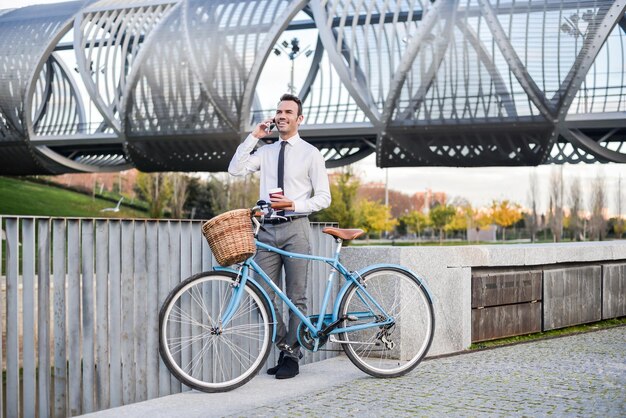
262	129
283	203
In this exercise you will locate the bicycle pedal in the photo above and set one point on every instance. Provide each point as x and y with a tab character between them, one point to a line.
285	347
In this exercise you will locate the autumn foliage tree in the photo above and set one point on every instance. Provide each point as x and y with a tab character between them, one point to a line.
459	222
343	206
416	222
504	214
440	216
475	218
375	217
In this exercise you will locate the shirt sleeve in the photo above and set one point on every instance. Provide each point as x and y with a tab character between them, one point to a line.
244	162
321	188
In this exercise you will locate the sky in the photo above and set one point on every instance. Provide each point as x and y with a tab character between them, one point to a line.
478	185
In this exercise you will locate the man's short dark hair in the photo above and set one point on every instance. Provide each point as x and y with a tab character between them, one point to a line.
292	98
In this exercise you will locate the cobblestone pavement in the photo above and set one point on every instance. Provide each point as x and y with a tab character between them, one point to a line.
582	375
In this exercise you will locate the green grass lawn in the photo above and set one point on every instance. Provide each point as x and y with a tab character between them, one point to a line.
21	197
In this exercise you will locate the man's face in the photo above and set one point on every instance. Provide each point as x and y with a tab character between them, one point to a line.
287	119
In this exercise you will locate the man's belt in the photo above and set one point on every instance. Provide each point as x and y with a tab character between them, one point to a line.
277	221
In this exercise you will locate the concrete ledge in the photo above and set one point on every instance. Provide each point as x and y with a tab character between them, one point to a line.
244	400
447	273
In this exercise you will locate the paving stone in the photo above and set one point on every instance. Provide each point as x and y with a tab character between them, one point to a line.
581	375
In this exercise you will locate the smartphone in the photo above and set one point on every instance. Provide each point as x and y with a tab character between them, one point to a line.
272	125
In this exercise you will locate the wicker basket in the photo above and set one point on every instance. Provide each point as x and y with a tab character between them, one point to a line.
230	236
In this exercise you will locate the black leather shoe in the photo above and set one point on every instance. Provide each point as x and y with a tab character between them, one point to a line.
288	369
272	370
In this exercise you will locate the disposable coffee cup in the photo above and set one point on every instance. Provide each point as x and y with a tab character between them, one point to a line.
276	192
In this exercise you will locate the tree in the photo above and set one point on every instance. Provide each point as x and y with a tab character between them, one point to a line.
575	221
400	203
375	217
556	207
440	216
179	184
343	206
458	222
416	222
504	214
228	193
240	192
532	219
619	227
156	189
597	222
198	202
475	218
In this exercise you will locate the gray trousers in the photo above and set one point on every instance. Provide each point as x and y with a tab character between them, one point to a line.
295	237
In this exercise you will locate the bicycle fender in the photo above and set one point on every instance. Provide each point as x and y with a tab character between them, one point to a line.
372	267
263	292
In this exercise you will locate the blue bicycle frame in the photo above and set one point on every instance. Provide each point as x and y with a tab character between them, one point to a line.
243	275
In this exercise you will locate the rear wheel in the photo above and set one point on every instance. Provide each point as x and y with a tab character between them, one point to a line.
394	349
195	347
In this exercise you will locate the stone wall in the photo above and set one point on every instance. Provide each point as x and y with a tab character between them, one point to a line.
448	274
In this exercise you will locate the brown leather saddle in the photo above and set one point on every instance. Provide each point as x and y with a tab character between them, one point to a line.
344	234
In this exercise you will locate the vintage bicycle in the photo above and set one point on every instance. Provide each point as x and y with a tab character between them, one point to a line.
216	328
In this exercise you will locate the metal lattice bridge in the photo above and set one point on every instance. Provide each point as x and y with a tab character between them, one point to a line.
174	85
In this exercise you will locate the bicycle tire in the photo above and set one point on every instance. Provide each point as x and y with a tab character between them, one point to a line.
193	346
403	297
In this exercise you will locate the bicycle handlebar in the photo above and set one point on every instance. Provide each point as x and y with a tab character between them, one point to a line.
262	205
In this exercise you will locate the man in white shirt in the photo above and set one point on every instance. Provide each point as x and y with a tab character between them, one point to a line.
305	190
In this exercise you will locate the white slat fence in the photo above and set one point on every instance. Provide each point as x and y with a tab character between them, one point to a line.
80	302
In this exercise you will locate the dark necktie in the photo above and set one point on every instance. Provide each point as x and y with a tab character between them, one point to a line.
281	166
281	171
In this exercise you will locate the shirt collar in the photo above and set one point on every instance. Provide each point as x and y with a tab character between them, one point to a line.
294	140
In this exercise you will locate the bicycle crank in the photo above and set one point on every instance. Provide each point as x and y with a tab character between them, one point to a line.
308	341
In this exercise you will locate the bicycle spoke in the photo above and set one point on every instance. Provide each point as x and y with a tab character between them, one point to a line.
197	297
194	345
198	356
237	351
379	350
178	344
184	317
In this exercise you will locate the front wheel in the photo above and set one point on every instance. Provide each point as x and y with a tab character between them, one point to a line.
393	349
197	349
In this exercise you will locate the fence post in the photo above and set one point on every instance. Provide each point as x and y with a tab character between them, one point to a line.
127	314
88	308
43	316
12	326
115	312
73	316
140	313
60	358
152	300
102	314
28	316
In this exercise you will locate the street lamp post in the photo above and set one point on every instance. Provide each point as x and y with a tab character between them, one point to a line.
293	51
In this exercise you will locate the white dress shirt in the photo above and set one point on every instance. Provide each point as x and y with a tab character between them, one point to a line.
305	179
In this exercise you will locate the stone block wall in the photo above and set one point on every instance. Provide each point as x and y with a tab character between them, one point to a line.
594	271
